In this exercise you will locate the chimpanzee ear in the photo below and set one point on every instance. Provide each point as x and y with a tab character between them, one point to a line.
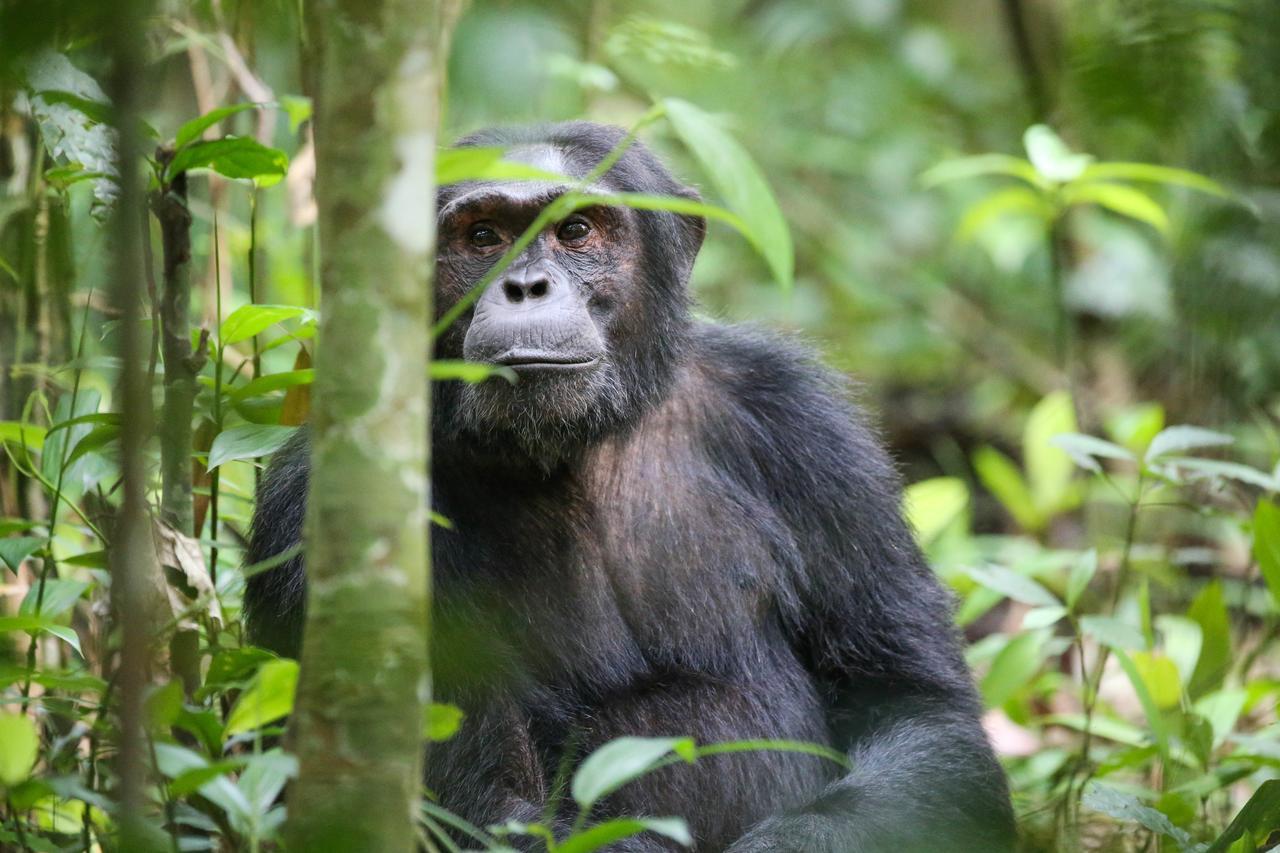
693	228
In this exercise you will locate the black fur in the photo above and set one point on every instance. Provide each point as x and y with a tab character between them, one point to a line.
721	555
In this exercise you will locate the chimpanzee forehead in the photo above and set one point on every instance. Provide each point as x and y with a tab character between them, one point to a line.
531	193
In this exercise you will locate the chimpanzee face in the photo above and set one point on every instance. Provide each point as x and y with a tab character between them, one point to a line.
588	317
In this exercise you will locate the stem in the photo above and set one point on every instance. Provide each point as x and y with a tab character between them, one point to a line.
217	402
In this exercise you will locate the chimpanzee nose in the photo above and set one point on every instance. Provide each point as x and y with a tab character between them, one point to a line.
531	283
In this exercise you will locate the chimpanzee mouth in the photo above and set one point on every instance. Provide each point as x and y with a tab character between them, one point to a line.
524	360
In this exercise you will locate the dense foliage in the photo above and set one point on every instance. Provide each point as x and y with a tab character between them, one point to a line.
1070	345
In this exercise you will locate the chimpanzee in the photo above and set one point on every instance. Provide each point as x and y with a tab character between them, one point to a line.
666	526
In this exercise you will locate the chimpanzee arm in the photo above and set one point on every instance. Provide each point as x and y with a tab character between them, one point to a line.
874	626
275	599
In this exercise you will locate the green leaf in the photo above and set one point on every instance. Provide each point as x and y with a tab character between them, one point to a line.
1210	611
964	168
19	748
932	505
469	371
673	203
1050	155
1081	574
1215	468
232	157
1179	439
994	206
26	435
273	382
249	320
1015	666
1149	707
608	832
1266	545
454	165
621	761
1084	448
1259	817
740	182
248	441
1149	173
192	130
68	635
1049	468
15	549
1112	632
1003	479
1129	809
1117	198
1010	584
1160	676
1043	617
268	697
59	597
441	721
298	108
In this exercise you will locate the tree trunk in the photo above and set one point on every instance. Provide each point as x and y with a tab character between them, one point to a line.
131	548
375	73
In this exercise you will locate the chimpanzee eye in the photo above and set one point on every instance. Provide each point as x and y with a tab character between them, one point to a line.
574	229
483	235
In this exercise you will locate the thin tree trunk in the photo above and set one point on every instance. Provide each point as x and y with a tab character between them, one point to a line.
181	362
132	549
375	75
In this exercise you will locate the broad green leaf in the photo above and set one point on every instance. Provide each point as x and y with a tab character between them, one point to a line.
1003	479
441	721
1222	709
1266	545
1082	573
175	762
1049	468
273	382
249	320
1112	632
1179	439
1050	155
1013	585
248	441
1084	448
15	549
1043	617
232	157
603	834
19	748
68	635
74	413
621	761
192	130
982	165
1135	426
1149	173
1214	468
1149	706
673	203
1161	677
1210	611
932	505
994	206
298	108
1259	817
69	106
1013	668
1125	201
59	597
29	436
1182	640
1129	809
268	698
454	165
740	182
469	371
